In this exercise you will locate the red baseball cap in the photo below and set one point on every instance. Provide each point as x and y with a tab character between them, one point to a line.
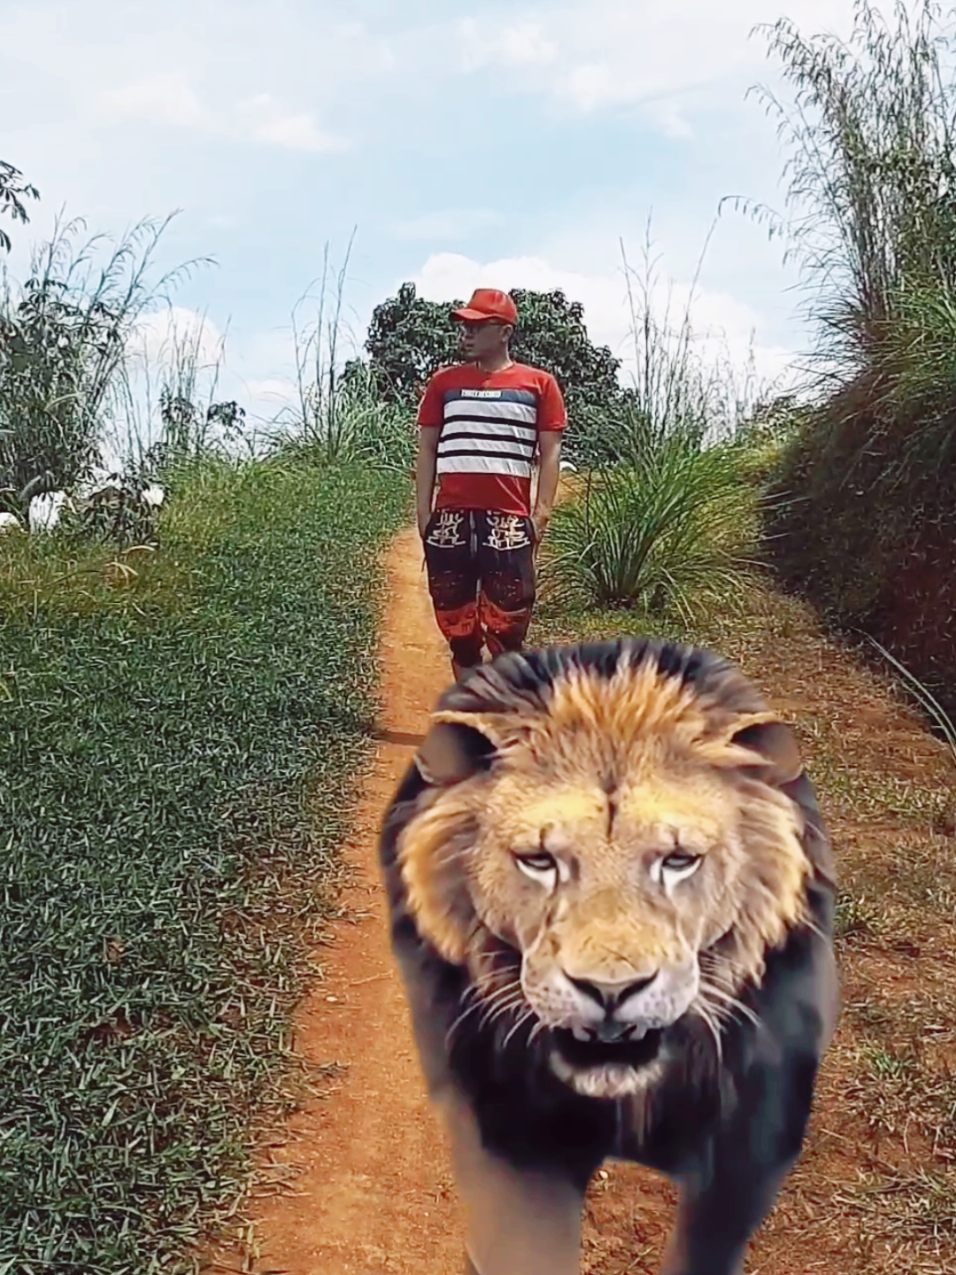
488	303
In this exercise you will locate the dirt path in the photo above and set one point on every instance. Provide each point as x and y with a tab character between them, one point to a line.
358	1182
365	1186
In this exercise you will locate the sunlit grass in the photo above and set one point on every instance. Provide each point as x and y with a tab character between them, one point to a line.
178	749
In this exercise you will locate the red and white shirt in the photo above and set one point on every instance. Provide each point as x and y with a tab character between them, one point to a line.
490	422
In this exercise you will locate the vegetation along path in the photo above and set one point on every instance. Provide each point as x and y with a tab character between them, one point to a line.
358	1180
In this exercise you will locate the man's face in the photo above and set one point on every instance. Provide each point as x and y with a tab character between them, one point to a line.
482	340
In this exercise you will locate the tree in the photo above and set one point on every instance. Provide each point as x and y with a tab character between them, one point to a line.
409	338
12	186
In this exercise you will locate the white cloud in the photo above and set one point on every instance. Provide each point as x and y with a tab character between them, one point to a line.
372	54
167	97
520	45
725	328
292	131
589	85
447	276
587	55
669	115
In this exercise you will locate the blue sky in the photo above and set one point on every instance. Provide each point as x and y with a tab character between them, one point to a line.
506	143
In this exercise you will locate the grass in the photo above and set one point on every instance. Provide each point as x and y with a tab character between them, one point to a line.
65	336
177	742
350	423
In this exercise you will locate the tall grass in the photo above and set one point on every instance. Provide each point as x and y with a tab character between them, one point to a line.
667	535
64	340
871	220
675	390
173	413
367	429
871	194
316	348
342	415
666	530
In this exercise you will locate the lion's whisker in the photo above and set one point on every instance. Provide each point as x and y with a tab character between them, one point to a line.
528	1013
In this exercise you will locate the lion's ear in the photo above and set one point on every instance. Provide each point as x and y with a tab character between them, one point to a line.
452	752
462	742
777	755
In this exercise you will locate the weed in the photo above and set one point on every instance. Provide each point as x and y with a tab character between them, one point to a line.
854	916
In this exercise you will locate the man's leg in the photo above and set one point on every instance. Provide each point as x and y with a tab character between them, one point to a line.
453	585
507	579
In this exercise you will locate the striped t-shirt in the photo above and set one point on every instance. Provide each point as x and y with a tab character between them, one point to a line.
489	424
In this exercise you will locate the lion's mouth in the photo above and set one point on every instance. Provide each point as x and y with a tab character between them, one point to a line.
583	1050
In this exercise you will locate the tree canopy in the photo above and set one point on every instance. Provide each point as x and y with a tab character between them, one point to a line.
12	186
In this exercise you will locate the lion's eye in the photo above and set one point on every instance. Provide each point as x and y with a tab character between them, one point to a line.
680	861
538	866
676	867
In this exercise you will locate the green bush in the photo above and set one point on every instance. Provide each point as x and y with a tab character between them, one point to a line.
64	349
667	534
179	731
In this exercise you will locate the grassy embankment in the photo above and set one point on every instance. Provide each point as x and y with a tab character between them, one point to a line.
181	732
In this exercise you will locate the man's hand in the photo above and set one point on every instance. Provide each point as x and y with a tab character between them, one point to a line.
549	447
425	474
539	524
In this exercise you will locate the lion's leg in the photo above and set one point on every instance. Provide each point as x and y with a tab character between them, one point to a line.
741	1173
711	1238
518	1222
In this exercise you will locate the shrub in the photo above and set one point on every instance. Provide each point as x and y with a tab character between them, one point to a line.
665	534
64	339
869	528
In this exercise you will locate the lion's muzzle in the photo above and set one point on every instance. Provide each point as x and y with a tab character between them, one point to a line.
594	1009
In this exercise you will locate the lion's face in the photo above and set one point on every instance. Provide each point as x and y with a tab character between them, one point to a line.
612	871
609	898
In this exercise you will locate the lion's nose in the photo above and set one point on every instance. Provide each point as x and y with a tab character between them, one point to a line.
610	995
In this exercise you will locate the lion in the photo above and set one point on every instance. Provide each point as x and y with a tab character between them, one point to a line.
611	903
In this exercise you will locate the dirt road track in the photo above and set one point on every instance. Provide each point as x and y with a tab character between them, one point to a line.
367	1189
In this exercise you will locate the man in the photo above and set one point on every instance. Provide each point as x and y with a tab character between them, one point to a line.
483	423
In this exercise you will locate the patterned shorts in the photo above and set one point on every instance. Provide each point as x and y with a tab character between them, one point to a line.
481	579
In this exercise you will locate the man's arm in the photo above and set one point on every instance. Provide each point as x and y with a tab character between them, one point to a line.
549	454
425	467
